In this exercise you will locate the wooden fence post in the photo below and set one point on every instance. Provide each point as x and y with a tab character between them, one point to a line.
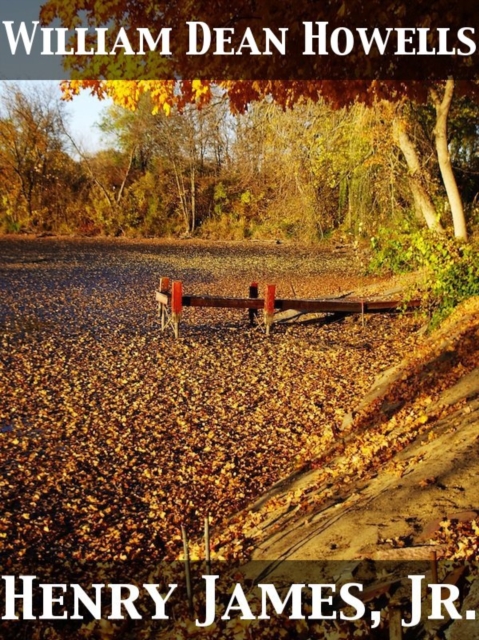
164	285
186	553
434	572
207	545
253	293
176	305
269	300
164	288
395	628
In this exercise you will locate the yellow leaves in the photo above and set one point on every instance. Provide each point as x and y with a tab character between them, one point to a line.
135	433
127	93
107	629
459	539
426	482
104	629
200	89
399	468
239	629
165	94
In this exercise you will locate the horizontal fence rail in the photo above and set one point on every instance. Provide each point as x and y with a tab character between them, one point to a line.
320	305
171	303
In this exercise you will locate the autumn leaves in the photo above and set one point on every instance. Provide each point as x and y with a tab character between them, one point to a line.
118	434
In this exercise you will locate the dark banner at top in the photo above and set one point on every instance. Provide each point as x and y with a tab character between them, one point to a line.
312	40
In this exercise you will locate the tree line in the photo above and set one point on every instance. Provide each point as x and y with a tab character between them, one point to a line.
268	172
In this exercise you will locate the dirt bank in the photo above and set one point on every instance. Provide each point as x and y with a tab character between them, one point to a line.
405	460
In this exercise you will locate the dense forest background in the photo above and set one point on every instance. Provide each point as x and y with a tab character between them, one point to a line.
269	173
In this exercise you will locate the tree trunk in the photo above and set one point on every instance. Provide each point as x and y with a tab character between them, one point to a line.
193	199
127	173
181	196
422	199
444	158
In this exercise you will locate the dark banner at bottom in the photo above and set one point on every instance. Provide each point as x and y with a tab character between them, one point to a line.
276	599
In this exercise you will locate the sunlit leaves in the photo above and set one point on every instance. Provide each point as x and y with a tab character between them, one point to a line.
120	434
113	434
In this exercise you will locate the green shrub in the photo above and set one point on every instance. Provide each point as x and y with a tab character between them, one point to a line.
451	266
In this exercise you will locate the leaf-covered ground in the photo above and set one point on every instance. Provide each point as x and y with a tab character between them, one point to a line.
406	457
113	434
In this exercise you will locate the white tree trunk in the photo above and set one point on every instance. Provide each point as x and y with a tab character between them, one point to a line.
444	158
422	199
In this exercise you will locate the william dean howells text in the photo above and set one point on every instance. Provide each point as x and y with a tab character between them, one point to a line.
319	39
